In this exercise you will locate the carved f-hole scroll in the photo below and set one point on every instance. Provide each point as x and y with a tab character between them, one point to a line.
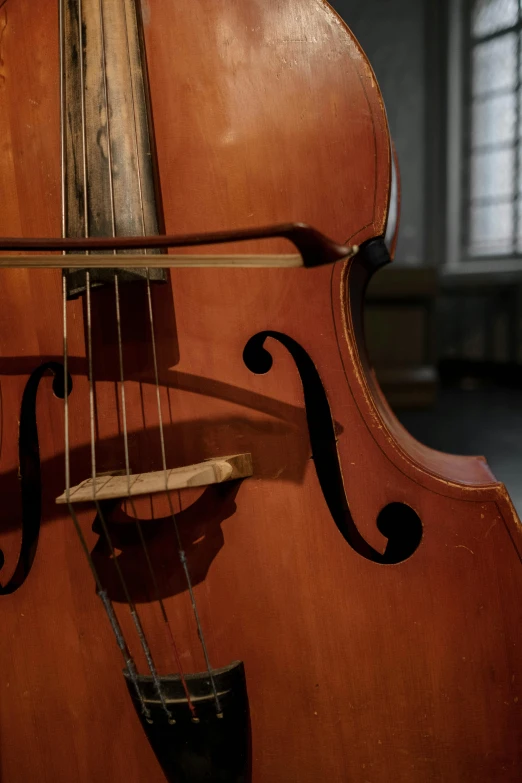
30	477
398	522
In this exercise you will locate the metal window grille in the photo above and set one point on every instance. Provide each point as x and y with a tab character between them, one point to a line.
492	172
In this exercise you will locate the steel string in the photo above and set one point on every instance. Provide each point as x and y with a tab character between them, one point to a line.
150	567
107	604
181	551
128	598
129	662
162	439
102	594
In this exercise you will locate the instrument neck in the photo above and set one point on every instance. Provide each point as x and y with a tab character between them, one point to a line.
108	157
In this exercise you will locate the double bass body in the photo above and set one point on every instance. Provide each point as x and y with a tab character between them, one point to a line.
370	586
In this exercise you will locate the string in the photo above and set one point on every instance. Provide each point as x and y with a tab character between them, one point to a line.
129	663
62	115
100	591
102	594
144	547
181	552
136	146
84	124
130	602
180	548
108	118
132	607
152	573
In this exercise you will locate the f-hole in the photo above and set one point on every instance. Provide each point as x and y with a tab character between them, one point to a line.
30	476
398	522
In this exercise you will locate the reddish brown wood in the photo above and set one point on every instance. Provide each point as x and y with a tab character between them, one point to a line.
264	112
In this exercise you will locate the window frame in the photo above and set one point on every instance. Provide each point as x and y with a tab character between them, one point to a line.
457	262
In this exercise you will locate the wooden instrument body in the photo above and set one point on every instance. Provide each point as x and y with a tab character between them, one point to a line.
355	670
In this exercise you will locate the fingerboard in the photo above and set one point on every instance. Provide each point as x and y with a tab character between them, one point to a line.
108	155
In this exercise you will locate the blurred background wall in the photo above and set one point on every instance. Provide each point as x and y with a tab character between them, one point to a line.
393	35
464	320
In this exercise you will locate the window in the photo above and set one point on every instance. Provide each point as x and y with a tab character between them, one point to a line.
485	127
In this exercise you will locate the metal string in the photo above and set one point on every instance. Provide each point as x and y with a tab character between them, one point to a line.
136	146
102	594
84	124
128	598
181	552
130	602
162	438
150	567
129	663
107	114
62	115
120	640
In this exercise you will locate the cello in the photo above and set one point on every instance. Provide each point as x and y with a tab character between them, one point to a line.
305	593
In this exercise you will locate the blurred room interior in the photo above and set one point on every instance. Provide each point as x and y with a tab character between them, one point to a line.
444	322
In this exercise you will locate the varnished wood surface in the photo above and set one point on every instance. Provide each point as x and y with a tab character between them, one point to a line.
356	671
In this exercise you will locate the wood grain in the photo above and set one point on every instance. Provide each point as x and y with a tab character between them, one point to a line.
109	165
264	111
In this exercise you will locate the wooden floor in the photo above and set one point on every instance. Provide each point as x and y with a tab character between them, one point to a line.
485	421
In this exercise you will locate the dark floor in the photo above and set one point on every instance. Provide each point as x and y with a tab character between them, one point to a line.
485	421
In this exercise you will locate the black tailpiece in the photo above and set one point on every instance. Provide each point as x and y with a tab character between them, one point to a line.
213	749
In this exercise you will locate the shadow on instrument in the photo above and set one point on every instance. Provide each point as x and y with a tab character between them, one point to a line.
261	438
21	488
200	530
